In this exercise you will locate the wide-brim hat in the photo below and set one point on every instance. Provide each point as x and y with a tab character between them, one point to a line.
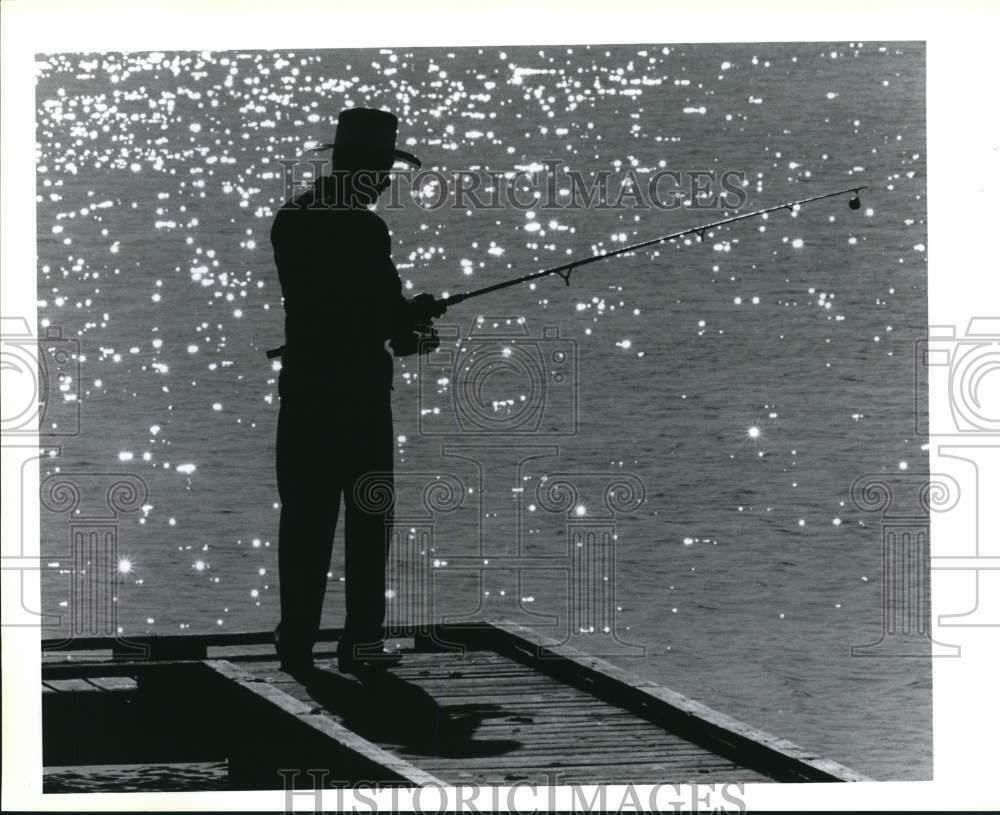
366	140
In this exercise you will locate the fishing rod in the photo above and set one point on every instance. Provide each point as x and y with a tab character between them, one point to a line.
566	270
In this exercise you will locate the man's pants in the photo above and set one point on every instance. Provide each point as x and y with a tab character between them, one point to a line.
328	448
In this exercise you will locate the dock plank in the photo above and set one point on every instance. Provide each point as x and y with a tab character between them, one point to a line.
619	774
295	709
114	683
71	685
723	733
117	778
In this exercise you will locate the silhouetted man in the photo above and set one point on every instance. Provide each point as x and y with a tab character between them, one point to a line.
343	301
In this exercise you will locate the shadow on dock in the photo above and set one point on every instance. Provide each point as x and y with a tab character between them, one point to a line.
387	709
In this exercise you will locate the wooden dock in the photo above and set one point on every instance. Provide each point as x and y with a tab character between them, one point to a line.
490	703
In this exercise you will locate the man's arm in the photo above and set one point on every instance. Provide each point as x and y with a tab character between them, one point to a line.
408	325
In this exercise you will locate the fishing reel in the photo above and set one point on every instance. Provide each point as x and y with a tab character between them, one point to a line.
421	339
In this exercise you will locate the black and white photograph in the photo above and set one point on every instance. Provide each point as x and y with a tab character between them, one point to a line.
565	422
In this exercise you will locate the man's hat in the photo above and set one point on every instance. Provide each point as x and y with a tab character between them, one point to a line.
366	140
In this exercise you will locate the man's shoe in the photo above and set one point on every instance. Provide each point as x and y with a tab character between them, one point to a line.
295	659
298	665
353	658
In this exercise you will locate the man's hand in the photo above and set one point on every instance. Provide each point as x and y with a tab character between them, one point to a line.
423	339
419	337
425	308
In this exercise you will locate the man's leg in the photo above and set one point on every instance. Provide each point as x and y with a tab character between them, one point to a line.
369	495
309	489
